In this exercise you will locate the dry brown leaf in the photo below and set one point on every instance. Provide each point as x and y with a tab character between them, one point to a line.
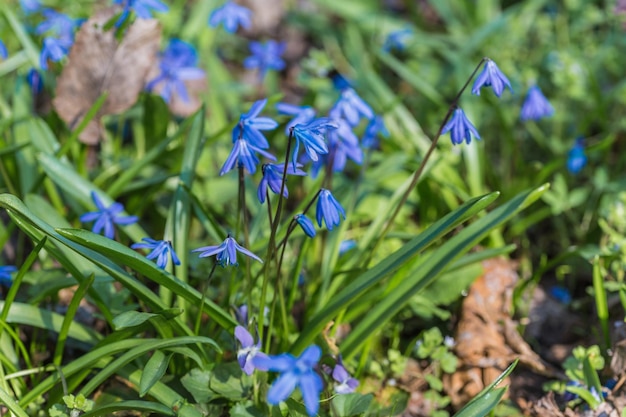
98	63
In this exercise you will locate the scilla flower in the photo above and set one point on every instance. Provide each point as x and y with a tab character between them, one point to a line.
351	107
106	217
311	136
5	274
143	8
231	15
576	158
226	252
265	56
294	372
328	209
306	224
491	76
160	250
3	50
273	178
250	125
248	350
460	128
536	105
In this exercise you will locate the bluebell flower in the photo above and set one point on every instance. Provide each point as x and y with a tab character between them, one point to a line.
328	209
311	136
243	154
265	56
34	80
536	105
576	158
30	6
347	384
346	246
302	114
306	224
3	50
5	275
491	76
561	294
226	252
231	15
397	40
339	81
248	350
177	64
294	372
250	125
375	128
106	217
59	24
160	250
460	127
273	178
143	8
54	49
343	144
351	107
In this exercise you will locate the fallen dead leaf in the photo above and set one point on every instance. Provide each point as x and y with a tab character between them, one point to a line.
98	63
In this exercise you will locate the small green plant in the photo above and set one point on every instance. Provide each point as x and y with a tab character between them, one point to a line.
73	406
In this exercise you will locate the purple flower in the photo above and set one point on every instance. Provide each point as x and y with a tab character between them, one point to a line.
143	8
232	16
328	209
5	275
347	384
265	56
536	105
226	252
273	177
248	350
343	144
177	64
351	107
34	80
311	136
3	50
306	224
250	125
374	129
302	114
160	250
294	372
241	314
106	217
30	6
491	76
460	127
576	158
243	155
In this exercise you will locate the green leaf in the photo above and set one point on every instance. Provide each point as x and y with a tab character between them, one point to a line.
373	276
591	378
11	404
245	409
131	319
347	405
153	371
145	406
226	380
197	383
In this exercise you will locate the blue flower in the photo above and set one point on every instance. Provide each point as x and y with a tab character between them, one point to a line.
61	25
346	246
243	155
294	372
347	384
576	158
34	80
339	81
160	250
306	224
177	64
491	76
343	144
311	136
351	107
232	16
536	105
329	209
226	252
106	217
397	39
250	125
5	275
54	49
561	294
143	8
248	350
30	6
273	178
460	127
374	129
302	114
3	50
241	314
265	56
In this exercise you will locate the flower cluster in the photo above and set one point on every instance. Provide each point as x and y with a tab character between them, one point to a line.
105	218
60	36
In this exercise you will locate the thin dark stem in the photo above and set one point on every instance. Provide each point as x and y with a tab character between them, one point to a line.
420	169
269	207
206	287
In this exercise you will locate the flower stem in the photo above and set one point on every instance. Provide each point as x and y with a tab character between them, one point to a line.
206	287
417	174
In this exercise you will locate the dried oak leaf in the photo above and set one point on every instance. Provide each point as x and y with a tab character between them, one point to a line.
98	63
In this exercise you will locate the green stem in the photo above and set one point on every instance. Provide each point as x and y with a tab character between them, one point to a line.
206	287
